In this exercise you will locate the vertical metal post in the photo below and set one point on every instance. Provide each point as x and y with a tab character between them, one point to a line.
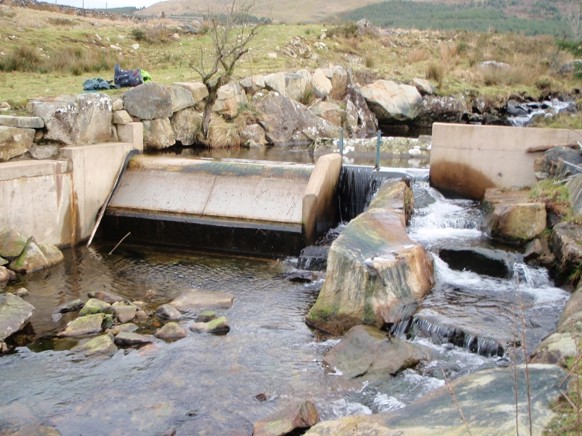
378	143
341	143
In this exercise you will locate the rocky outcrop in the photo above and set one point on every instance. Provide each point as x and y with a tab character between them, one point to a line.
373	268
75	119
486	398
392	102
287	122
373	355
294	417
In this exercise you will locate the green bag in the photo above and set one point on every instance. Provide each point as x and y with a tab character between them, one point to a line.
146	76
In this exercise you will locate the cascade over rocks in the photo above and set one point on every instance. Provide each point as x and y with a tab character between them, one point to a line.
287	122
374	269
75	119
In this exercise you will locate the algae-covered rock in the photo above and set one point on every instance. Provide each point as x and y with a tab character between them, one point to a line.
35	257
85	325
218	326
11	243
93	305
101	345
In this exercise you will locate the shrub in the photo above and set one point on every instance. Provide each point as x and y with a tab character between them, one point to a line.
435	71
347	30
22	58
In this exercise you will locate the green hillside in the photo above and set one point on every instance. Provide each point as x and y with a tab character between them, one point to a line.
487	16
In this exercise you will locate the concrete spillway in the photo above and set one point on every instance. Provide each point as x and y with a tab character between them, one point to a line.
250	207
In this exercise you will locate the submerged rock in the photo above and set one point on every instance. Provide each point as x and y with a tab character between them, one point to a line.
171	331
107	296
217	326
196	299
370	353
14	314
69	306
301	415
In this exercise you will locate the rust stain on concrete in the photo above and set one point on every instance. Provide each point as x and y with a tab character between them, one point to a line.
452	178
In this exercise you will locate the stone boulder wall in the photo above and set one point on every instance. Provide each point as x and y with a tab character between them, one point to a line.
75	119
374	269
486	398
288	122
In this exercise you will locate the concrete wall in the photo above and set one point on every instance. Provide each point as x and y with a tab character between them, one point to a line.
467	159
57	201
319	211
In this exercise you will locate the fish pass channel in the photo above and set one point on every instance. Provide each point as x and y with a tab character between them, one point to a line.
205	384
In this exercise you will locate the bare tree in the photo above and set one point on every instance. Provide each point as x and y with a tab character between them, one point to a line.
572	15
231	31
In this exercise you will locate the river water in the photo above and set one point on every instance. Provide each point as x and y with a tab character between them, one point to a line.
207	384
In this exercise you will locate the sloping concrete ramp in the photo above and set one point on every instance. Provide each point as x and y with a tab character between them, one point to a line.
251	207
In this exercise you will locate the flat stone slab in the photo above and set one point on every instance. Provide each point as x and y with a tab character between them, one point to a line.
486	398
14	313
22	122
196	299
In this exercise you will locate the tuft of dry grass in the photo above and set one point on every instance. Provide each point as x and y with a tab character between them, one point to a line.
417	55
435	71
222	134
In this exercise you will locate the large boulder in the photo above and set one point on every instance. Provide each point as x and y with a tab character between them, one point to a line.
14	142
338	76
186	124
287	122
148	101
486	398
371	354
511	217
295	85
158	134
329	111
446	109
229	99
75	119
391	101
181	98
321	84
360	120
558	163
14	314
294	417
374	269
197	90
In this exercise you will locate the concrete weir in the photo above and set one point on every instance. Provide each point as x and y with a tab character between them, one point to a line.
249	207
